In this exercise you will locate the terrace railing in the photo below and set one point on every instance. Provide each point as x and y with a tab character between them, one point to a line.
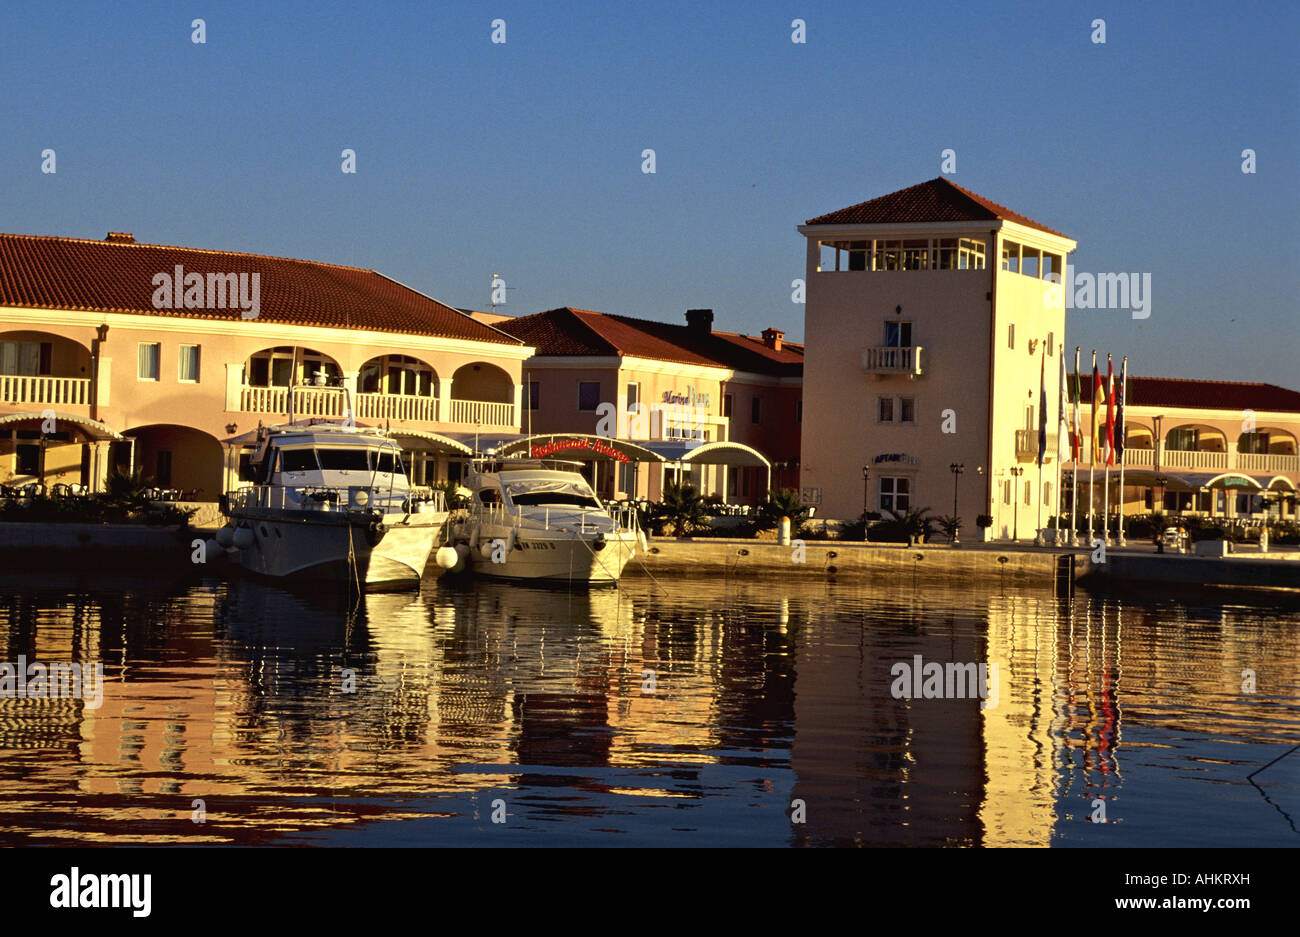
65	391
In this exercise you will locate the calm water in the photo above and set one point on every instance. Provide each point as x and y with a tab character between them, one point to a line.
535	706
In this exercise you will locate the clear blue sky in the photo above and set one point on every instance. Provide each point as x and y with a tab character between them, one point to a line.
524	159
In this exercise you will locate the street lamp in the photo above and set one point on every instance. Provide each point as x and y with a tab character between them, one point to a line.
866	475
1016	471
956	468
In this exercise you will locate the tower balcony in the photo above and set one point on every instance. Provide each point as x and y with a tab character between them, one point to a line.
888	359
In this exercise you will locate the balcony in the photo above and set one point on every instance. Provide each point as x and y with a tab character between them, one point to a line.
328	402
1027	446
397	407
1193	459
1273	463
888	359
481	413
60	391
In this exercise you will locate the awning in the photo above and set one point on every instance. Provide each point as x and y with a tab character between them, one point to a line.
1279	483
583	447
709	453
92	430
430	442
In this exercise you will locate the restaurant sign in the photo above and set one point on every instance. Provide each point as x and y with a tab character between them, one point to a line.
572	445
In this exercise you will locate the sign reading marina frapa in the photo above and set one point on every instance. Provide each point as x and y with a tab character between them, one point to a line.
55	680
689	399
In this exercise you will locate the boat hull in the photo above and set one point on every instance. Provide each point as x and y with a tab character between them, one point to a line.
551	556
392	556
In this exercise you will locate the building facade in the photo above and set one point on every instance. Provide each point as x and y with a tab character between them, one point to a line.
158	359
640	380
930	314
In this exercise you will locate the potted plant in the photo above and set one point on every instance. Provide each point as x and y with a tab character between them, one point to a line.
984	522
950	524
682	509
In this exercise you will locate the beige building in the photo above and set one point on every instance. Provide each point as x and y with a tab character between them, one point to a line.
928	314
1218	449
118	353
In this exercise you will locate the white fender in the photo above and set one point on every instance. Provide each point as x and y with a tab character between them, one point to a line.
243	538
446	557
225	537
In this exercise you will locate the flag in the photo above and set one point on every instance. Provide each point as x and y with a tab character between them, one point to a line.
1042	406
1063	447
1110	412
1076	425
1096	397
1119	420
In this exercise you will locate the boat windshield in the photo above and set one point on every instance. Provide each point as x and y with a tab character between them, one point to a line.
569	494
344	460
341	460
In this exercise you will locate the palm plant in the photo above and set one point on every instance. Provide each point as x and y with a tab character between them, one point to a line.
783	503
682	508
950	524
125	491
915	523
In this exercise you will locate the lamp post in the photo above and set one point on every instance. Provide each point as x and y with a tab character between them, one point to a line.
866	475
956	468
1016	471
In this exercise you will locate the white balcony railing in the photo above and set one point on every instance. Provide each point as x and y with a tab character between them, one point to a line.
482	413
1193	459
1268	462
397	407
66	391
307	401
887	359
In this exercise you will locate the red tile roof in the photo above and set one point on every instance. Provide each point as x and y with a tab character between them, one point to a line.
936	200
570	331
1199	395
116	276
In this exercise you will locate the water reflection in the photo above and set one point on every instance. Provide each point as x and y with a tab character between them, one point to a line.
714	713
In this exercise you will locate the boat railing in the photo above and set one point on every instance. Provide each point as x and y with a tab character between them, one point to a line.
354	499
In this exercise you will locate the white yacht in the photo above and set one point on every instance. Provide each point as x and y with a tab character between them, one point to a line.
530	519
331	502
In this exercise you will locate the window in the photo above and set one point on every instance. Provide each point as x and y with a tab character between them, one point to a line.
283	366
344	460
1182	440
1051	344
756	410
1011	256
970	254
29	359
916	255
633	397
27	460
147	361
898	334
1011	335
1255	443
727	401
945	254
1029	492
896	409
189	364
298	460
798	411
895	493
534	394
1006	491
588	395
163	477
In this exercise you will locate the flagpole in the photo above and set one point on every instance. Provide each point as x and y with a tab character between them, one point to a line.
1123	447
1042	442
1092	453
1076	431
1110	429
1060	438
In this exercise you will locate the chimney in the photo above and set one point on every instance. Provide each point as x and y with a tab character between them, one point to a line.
120	237
772	338
699	321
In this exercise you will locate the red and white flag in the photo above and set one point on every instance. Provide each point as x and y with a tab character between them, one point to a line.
1110	412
